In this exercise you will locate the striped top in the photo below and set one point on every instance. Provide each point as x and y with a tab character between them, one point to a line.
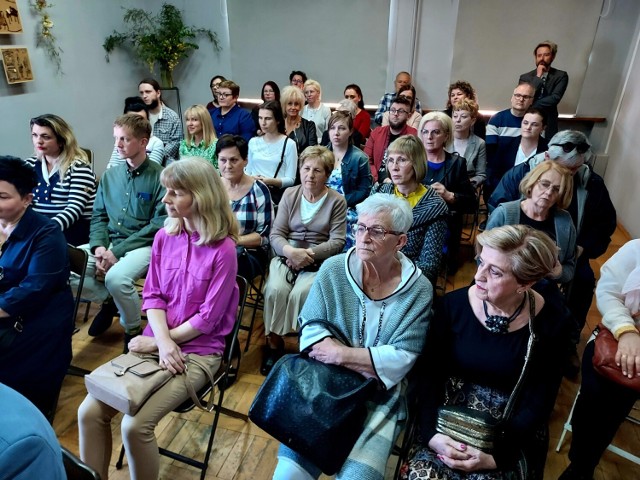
68	200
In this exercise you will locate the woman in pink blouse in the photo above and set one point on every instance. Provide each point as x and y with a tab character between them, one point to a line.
190	297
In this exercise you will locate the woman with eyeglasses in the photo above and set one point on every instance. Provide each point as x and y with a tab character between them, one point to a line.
406	167
474	358
66	185
213	85
547	191
298	129
408	92
361	119
447	175
377	298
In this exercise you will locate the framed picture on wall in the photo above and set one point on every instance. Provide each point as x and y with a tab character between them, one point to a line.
17	66
10	21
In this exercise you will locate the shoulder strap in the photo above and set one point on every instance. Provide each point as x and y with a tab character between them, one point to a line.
284	147
508	410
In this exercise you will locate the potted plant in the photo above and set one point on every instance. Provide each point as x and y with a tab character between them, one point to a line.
161	39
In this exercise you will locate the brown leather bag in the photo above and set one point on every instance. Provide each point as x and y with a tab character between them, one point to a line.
604	359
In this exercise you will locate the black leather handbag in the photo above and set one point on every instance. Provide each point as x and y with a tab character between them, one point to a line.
316	409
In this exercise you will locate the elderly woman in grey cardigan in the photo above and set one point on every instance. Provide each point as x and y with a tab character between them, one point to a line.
373	281
310	227
547	191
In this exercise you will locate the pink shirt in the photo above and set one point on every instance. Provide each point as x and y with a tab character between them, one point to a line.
195	284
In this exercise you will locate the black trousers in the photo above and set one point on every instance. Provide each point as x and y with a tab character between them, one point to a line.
581	295
601	407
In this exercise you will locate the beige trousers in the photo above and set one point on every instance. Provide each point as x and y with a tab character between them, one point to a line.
138	437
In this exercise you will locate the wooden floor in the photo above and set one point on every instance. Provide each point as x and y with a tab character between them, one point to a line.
243	451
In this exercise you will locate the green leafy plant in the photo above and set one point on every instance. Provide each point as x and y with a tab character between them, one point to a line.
161	39
45	37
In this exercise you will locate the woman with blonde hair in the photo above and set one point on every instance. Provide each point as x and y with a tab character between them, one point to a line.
193	253
200	137
466	143
298	129
475	354
66	185
315	111
406	167
447	175
547	192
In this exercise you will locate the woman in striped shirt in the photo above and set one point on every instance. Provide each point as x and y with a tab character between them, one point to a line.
66	183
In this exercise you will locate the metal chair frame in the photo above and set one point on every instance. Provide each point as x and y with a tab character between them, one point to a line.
78	259
612	448
76	469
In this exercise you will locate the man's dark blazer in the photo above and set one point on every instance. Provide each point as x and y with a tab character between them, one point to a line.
556	84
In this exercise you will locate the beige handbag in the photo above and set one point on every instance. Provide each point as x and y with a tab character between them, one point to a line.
126	382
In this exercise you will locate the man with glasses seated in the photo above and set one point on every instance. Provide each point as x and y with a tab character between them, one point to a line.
592	212
503	136
229	117
382	137
402	80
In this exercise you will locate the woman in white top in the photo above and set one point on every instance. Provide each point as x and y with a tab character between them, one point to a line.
272	157
315	111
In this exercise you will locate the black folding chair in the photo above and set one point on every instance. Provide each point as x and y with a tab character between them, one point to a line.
78	259
76	469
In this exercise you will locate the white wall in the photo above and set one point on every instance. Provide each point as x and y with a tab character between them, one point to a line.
90	94
622	176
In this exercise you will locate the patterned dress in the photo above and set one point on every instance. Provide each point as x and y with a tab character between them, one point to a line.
335	183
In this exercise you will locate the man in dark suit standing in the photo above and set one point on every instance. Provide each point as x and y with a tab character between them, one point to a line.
549	82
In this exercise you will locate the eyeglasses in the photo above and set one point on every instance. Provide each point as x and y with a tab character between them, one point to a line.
546	185
394	111
428	133
522	97
297	82
214	86
376	232
400	161
224	95
569	146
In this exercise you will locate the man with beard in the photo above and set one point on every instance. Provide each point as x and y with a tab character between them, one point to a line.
402	79
381	137
549	83
165	123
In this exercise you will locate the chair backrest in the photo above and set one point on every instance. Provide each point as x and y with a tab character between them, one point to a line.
89	153
76	469
231	341
78	259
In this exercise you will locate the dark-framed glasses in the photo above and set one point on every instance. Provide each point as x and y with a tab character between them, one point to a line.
569	146
397	111
376	232
224	94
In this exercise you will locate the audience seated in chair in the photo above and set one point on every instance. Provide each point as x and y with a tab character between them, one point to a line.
36	305
310	227
127	214
201	229
66	186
